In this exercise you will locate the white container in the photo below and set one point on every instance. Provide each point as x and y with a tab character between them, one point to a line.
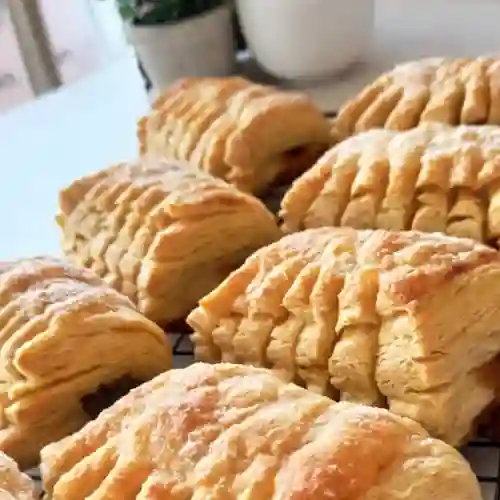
199	46
307	39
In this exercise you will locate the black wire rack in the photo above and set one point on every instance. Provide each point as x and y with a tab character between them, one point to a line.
484	457
483	454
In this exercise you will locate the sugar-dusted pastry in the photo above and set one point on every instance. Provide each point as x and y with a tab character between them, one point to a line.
431	178
449	91
160	232
14	485
65	337
254	136
236	432
403	320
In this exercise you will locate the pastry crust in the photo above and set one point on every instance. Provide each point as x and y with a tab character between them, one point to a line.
251	135
63	334
161	233
14	485
231	431
369	317
452	91
432	178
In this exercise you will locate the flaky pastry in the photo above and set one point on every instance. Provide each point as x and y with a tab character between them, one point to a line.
63	335
14	485
432	178
227	431
254	136
449	91
161	233
403	320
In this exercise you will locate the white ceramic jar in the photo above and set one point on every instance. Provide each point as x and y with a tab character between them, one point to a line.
307	39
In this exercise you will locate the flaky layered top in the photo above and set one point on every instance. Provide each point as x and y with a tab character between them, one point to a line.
227	431
251	135
452	91
366	316
63	334
432	178
160	232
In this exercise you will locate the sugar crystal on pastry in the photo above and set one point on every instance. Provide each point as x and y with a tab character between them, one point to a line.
160	232
64	334
14	485
403	320
252	135
231	431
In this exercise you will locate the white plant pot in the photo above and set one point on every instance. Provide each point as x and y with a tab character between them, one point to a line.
307	39
201	46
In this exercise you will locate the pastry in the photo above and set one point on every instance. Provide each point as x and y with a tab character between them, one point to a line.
431	178
64	335
236	432
368	317
254	136
161	233
14	485
450	91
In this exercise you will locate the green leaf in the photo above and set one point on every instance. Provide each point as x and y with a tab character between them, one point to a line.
126	9
153	12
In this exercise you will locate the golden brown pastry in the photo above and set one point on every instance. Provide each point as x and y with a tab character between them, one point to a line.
161	233
64	334
14	485
431	178
252	135
449	91
227	431
407	321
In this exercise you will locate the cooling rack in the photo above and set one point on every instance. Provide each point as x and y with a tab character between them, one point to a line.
483	455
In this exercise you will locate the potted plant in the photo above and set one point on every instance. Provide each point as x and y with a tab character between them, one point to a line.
180	38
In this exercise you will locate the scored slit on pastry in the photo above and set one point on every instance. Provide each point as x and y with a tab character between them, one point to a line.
357	315
241	431
317	307
451	91
264	310
431	178
254	136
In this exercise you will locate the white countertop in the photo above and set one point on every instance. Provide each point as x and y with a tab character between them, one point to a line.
84	127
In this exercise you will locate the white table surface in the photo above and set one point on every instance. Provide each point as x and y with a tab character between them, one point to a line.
44	145
82	128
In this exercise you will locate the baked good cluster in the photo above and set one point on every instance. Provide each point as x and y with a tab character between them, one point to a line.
346	344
